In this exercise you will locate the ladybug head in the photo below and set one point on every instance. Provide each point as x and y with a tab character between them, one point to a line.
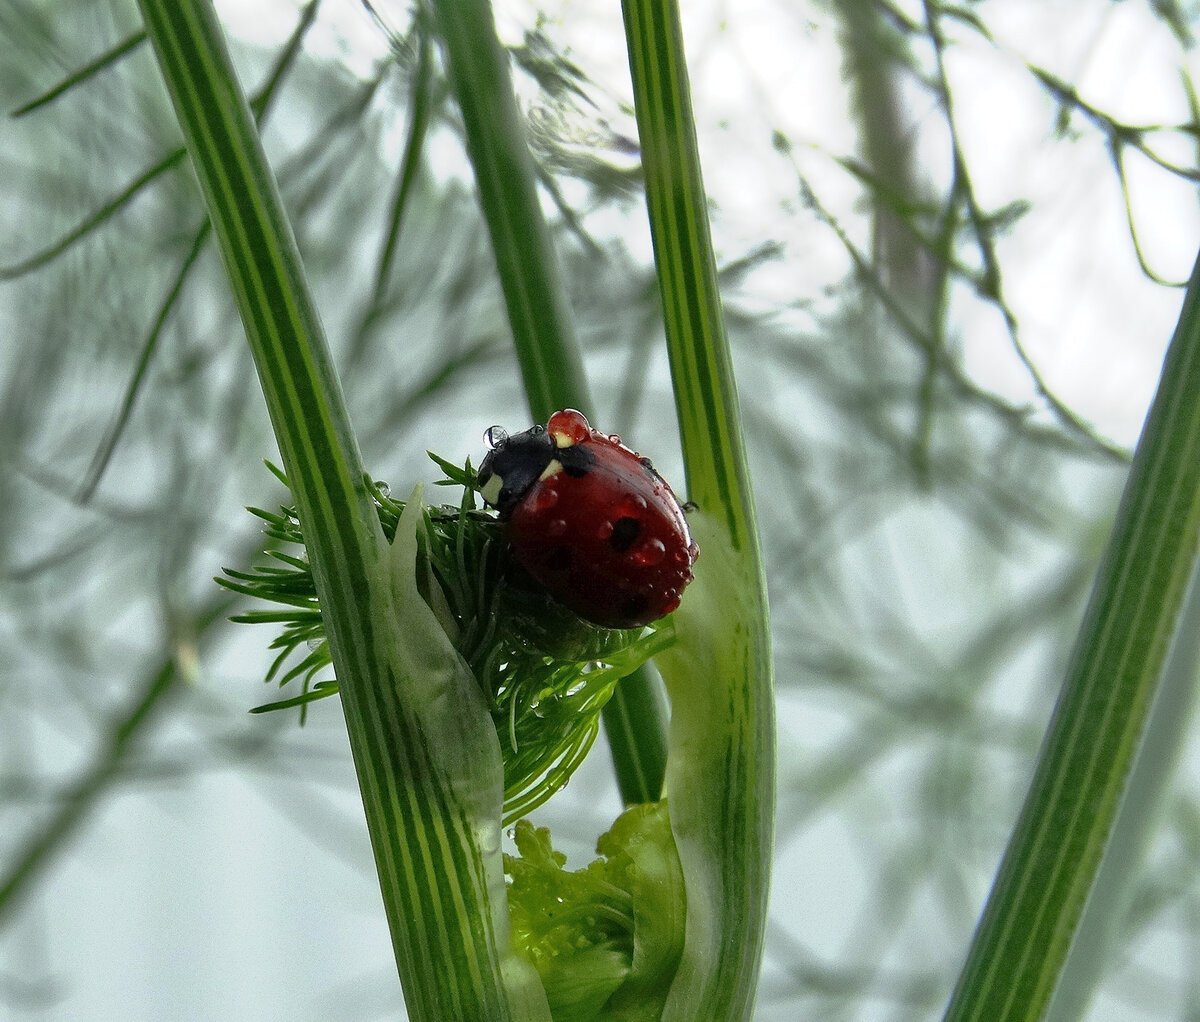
513	465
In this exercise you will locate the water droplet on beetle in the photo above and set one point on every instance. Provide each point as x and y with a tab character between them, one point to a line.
571	424
650	552
545	499
632	506
495	436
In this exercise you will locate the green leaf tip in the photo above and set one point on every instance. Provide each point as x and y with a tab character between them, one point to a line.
606	939
720	776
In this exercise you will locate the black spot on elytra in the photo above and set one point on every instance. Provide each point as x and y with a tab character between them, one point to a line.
557	559
625	533
634	607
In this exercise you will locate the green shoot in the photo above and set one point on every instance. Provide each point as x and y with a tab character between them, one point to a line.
544	673
606	940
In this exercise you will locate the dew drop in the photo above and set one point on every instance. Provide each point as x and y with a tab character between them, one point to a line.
489	840
632	506
556	527
383	489
495	436
546	498
570	424
650	552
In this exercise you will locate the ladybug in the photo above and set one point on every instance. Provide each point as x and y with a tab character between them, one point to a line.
590	520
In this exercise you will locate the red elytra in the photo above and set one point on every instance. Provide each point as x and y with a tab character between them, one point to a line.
590	520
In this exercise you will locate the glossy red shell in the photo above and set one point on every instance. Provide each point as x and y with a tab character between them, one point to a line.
611	542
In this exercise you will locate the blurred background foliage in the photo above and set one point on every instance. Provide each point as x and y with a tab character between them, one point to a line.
937	448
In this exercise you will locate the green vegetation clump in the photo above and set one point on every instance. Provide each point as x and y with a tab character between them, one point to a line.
605	939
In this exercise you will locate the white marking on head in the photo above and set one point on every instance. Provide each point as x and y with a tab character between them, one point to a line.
562	439
490	491
552	469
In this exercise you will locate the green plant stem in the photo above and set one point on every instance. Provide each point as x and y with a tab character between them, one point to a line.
1122	869
1093	739
419	115
424	748
93	67
635	715
721	763
504	174
538	313
701	364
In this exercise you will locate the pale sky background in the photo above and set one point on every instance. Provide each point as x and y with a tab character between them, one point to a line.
764	65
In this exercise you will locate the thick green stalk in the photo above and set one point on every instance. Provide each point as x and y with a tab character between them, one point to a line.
538	313
635	723
1106	913
426	753
504	174
721	762
1094	736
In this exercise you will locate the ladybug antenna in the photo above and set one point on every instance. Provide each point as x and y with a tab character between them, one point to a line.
495	436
